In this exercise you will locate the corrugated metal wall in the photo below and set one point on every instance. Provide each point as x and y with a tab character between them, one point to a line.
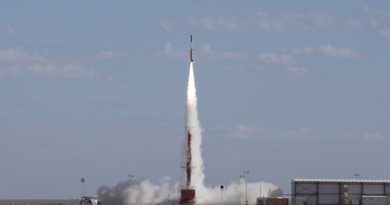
337	193
39	202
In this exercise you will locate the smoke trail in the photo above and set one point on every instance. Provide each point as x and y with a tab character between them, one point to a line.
193	127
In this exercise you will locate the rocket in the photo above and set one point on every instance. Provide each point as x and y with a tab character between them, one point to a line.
191	59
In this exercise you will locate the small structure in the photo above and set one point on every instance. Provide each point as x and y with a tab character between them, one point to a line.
88	200
271	201
340	192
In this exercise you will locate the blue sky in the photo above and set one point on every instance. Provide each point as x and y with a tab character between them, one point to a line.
97	90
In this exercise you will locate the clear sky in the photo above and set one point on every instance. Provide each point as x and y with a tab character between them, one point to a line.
96	89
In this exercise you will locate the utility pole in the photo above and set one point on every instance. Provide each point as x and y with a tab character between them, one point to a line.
244	176
221	194
82	186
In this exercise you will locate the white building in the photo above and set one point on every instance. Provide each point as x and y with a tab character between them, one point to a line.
340	191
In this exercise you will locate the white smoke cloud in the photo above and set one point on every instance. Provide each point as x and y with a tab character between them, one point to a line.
135	192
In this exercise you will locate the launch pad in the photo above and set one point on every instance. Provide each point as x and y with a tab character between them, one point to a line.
187	196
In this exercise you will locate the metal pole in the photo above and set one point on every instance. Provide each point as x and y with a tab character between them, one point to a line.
260	189
246	192
244	176
221	194
246	172
82	186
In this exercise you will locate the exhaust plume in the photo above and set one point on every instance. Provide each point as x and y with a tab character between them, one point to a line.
193	128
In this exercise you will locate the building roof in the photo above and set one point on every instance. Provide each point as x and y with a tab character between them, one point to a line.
343	180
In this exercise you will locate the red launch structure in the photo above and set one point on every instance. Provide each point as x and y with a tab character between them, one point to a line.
188	193
189	160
